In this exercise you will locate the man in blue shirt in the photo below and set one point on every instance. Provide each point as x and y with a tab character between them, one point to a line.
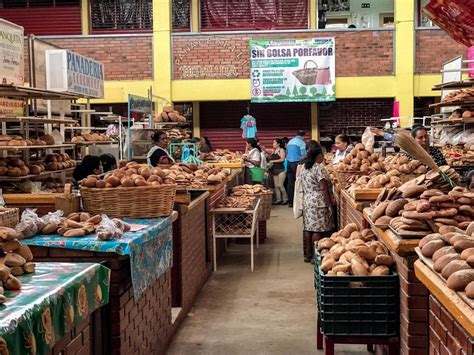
295	151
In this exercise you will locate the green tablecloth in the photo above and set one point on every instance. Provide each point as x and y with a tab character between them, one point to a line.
52	301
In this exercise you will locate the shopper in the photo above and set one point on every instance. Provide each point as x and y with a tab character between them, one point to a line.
420	133
205	145
253	158
317	198
296	151
277	158
343	147
108	162
159	154
90	165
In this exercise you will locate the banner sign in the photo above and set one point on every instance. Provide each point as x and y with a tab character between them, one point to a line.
293	70
139	104
70	72
11	53
9	107
456	17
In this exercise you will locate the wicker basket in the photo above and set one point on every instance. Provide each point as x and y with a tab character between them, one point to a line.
10	218
132	202
265	209
307	76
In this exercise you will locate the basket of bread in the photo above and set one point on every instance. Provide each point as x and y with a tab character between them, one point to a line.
265	195
132	191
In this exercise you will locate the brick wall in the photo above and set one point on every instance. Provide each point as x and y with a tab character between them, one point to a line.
129	326
447	336
364	53
191	269
433	48
124	57
337	117
76	341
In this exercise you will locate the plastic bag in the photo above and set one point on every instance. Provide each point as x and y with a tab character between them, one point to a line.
368	140
298	199
29	224
53	217
111	228
58	138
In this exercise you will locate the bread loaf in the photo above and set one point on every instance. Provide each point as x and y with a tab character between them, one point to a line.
380	270
379	211
443	251
444	260
429	248
466	253
463	244
358	269
395	206
470	290
384	259
460	279
429	238
453	266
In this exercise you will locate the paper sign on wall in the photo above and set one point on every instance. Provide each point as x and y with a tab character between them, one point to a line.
293	70
11	53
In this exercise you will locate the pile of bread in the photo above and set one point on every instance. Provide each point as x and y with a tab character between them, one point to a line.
178	135
244	202
15	167
18	141
353	252
459	95
452	253
249	190
90	137
135	175
459	155
421	210
169	114
16	260
433	180
52	185
224	156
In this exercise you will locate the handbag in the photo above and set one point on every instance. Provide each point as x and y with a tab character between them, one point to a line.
298	199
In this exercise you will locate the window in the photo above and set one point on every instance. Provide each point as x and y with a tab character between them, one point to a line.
8	4
423	19
181	15
253	14
119	15
358	13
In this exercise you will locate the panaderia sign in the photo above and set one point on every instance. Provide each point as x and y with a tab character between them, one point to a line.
70	72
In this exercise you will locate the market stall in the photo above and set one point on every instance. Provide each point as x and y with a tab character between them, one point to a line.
58	309
140	286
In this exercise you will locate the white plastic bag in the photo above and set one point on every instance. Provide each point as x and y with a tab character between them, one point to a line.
29	224
298	199
58	138
368	140
53	217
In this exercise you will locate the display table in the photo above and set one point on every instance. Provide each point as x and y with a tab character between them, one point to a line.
52	312
451	319
138	317
413	294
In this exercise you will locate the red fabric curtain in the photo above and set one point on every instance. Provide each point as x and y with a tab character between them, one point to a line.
253	14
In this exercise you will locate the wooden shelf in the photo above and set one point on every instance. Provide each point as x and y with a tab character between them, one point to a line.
364	194
94	143
29	147
455	85
469	102
33	176
34	93
454	121
31	199
456	306
38	120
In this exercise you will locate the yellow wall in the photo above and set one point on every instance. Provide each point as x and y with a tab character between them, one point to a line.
117	91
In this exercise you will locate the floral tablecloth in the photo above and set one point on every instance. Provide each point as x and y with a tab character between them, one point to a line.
150	249
53	300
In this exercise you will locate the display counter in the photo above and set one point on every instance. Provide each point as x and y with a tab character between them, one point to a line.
451	319
413	294
56	310
138	317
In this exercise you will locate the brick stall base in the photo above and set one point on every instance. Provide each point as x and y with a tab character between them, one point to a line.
129	326
350	211
446	335
78	340
191	261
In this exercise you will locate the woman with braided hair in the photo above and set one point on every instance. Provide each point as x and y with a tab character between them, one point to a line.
318	204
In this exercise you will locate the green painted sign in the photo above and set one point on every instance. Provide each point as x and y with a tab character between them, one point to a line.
293	70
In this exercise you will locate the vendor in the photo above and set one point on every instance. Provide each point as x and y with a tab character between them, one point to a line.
90	165
159	154
420	133
108	162
343	147
253	158
205	145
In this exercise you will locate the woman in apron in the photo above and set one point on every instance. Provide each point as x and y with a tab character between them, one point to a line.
158	154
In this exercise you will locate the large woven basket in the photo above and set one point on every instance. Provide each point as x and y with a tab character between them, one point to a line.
307	76
9	218
132	202
265	209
